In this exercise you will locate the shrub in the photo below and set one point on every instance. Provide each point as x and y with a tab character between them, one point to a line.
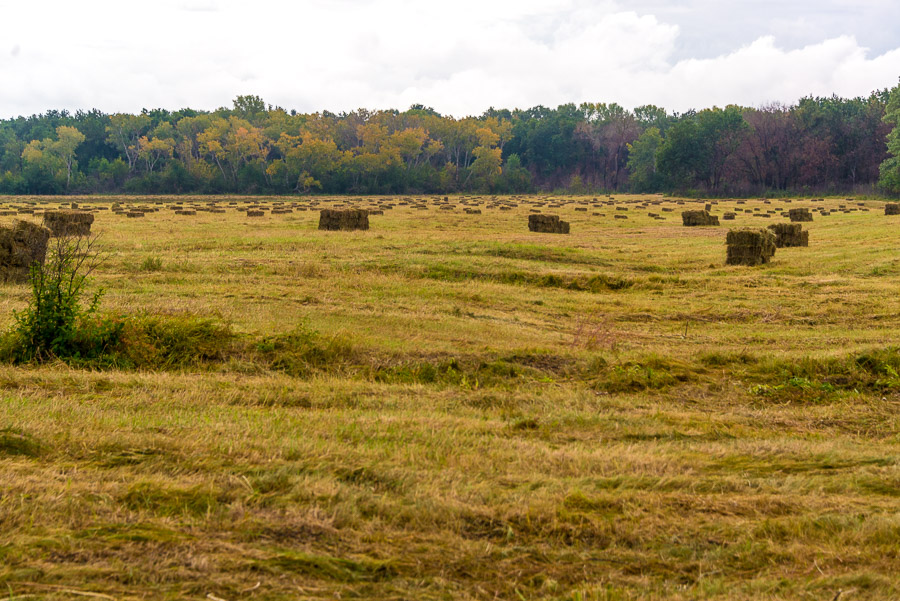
56	323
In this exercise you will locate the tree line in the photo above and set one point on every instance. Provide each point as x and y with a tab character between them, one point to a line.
818	145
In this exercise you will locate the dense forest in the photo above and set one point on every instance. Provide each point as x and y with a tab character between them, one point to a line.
819	145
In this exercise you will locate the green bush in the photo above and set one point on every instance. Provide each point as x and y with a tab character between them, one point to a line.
56	323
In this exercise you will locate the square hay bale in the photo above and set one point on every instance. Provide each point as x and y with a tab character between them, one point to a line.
789	235
21	245
749	247
547	224
186	212
343	220
729	216
696	218
800	215
133	214
68	223
892	208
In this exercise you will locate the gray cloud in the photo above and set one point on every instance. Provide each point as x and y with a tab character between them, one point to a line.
460	58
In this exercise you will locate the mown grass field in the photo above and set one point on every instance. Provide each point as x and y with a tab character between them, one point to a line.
448	406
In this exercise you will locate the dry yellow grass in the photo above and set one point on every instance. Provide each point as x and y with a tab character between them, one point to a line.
628	418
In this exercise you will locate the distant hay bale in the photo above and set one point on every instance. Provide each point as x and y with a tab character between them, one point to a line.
253	213
133	214
185	212
68	223
473	211
547	224
789	235
749	247
695	218
800	215
21	245
729	216
892	208
343	220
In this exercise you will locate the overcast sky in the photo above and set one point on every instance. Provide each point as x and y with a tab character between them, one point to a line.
459	57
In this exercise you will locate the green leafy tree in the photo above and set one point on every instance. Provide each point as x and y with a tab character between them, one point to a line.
515	177
68	139
890	168
125	131
644	174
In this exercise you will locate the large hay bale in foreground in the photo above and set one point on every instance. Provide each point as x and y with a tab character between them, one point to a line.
694	218
800	215
21	245
749	247
789	235
343	220
892	208
68	223
547	224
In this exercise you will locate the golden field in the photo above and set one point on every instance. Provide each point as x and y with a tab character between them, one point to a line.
470	410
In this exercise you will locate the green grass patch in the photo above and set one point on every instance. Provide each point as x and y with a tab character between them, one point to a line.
14	441
172	502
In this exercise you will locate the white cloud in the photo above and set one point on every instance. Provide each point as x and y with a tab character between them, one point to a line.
458	57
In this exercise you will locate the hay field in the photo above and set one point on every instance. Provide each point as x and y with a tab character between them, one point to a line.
484	413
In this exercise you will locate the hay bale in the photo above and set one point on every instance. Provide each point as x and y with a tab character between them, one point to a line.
343	220
789	235
186	212
892	208
695	218
253	213
68	223
729	216
547	224
749	247
800	215
133	214
21	245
